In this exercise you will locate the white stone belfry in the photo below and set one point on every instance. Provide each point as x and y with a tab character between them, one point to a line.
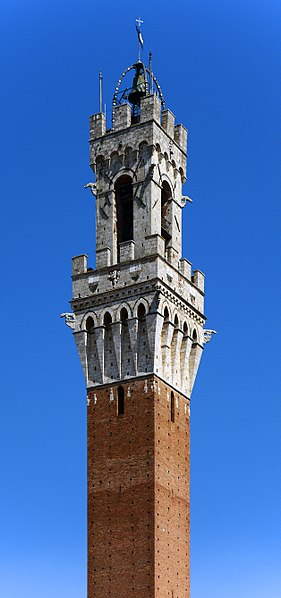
141	311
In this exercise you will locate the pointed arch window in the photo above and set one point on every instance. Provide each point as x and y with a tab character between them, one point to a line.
124	211
194	338
166	197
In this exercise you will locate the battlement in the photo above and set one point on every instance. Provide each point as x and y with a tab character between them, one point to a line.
150	109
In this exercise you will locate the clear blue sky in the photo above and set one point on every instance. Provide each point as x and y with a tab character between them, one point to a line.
218	64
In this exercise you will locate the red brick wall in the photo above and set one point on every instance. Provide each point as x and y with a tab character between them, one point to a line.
138	493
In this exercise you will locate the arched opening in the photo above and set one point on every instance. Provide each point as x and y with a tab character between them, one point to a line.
93	367
107	320
127	365
165	347
120	401
124	315
172	407
90	324
174	347
194	338
124	211
141	312
184	355
110	366
143	351
166	197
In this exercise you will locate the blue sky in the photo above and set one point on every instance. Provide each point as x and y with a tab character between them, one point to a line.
217	64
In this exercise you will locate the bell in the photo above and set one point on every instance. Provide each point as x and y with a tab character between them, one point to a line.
138	88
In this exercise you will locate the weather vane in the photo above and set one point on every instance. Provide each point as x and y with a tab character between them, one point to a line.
140	38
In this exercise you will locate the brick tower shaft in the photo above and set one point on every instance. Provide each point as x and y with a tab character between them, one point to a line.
138	491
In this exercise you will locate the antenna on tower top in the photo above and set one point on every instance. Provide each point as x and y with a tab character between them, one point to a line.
140	38
100	90
150	73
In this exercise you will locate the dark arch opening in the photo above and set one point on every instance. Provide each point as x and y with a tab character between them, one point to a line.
141	311
194	337
176	321
107	320
166	314
124	211
90	324
120	401
165	208
172	407
123	315
185	328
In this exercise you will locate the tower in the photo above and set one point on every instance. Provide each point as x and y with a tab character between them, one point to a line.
138	322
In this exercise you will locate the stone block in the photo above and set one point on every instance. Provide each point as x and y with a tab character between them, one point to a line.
180	136
103	257
198	280
168	122
97	125
150	108
154	244
127	251
122	117
185	268
79	264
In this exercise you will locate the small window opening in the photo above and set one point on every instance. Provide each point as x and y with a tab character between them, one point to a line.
120	401
172	407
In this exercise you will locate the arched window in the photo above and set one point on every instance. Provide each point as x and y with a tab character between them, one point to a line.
107	320
124	315
93	368
124	210
127	364
110	369
172	405
141	312
90	324
194	338
120	401
143	351
166	196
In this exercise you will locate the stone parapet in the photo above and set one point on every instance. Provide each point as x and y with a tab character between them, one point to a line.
168	122
79	264
97	125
